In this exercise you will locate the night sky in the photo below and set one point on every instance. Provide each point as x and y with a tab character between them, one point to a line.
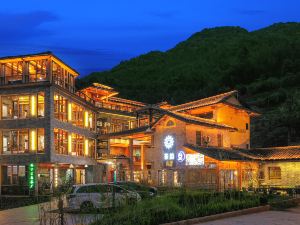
97	35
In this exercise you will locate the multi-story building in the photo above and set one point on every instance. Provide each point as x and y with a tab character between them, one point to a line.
51	134
47	130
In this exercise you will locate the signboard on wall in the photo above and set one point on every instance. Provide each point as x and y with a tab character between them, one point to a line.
169	150
194	159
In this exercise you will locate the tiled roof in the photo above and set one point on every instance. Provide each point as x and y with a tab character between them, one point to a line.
275	153
221	154
203	102
126	132
192	119
123	100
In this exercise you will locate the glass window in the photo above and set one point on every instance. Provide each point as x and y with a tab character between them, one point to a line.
60	107
274	173
41	140
41	104
19	141
37	70
77	115
61	141
22	106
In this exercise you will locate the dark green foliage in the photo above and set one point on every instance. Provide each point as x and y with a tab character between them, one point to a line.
7	202
264	65
180	205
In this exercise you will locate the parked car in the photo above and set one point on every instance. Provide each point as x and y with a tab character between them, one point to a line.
95	196
143	190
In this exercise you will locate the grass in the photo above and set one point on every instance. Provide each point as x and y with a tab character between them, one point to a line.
180	205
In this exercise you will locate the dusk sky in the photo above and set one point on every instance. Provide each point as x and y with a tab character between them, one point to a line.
97	35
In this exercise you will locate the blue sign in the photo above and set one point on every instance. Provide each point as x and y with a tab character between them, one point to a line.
181	156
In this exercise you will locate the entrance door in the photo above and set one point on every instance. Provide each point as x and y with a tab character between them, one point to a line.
228	179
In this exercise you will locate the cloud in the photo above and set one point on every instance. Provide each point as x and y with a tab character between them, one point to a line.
250	12
21	26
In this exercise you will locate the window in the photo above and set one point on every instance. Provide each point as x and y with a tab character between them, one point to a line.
14	175
220	140
41	140
15	141
77	115
198	138
61	141
22	141
37	70
77	145
62	77
41	104
247	126
274	173
170	123
60	107
22	106
13	72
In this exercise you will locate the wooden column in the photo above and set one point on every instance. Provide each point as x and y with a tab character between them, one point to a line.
131	158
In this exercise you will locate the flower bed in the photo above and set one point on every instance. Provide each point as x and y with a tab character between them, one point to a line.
180	205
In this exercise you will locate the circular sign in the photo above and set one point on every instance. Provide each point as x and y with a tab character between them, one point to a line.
181	156
169	141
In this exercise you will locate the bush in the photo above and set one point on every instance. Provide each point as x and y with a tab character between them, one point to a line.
180	205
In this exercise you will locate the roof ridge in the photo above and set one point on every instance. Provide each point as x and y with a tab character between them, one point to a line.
225	94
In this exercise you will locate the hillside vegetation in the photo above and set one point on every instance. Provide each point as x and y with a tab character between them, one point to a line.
264	65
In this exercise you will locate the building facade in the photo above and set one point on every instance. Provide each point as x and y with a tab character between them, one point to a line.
53	135
47	130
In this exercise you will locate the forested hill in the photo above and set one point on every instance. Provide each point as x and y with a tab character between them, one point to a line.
264	65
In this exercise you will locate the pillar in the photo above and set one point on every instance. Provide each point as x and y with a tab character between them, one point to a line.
131	158
142	160
0	180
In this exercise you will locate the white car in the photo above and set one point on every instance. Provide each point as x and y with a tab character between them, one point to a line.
90	196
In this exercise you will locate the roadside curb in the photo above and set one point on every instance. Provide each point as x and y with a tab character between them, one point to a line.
221	216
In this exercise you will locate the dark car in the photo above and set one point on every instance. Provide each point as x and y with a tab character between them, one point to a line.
143	190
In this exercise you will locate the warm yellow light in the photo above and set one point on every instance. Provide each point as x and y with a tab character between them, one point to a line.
33	140
86	147
70	143
55	177
69	112
86	118
33	105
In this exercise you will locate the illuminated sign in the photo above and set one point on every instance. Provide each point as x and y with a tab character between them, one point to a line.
181	156
169	141
31	176
195	159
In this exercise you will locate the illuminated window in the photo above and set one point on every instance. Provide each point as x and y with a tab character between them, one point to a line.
41	105
15	141
61	141
37	70
60	107
13	72
274	173
40	140
22	106
63	77
77	145
77	115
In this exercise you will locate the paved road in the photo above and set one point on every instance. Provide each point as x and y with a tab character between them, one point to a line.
29	215
289	217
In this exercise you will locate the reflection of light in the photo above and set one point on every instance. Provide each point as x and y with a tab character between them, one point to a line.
55	177
70	143
69	111
86	146
235	172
